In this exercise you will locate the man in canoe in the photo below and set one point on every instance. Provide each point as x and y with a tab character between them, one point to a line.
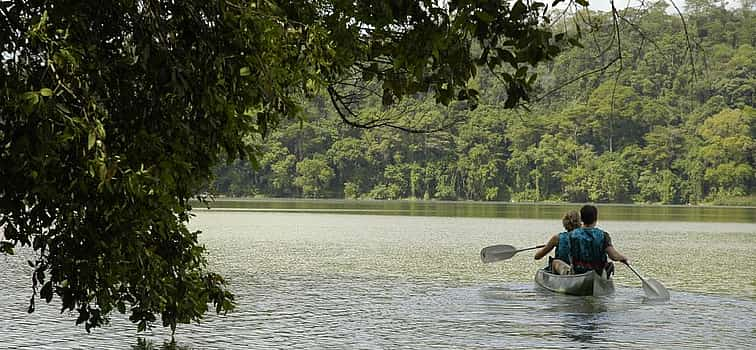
581	249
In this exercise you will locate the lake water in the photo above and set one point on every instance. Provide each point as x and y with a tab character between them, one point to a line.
401	275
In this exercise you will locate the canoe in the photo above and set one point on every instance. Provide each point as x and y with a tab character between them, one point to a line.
589	283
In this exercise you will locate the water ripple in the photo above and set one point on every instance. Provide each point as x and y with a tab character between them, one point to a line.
307	281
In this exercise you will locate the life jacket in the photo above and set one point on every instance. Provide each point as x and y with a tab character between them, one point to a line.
587	249
563	248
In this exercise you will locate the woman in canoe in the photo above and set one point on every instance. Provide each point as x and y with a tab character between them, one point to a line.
586	247
559	265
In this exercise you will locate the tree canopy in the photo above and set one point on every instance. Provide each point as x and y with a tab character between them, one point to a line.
660	125
113	114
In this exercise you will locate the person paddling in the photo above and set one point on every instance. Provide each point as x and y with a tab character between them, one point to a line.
585	248
560	265
589	246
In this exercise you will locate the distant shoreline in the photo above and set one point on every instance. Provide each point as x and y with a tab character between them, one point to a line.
410	200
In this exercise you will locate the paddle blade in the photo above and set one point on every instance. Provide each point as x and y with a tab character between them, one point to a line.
655	290
497	253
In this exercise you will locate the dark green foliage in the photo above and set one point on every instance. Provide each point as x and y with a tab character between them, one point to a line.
113	114
652	128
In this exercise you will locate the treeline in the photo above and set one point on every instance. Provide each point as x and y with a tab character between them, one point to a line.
670	120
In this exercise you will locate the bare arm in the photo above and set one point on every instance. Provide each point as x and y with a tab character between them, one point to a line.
549	246
615	255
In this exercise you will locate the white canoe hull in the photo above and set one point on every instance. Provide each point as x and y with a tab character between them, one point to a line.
589	283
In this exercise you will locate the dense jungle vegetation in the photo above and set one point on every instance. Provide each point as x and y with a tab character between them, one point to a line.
651	116
113	116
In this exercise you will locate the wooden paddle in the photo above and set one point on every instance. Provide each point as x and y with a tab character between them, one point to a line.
501	252
654	289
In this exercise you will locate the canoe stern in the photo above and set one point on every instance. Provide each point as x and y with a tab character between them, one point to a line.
589	283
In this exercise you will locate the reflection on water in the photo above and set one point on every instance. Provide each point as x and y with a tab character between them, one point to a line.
487	209
144	344
624	319
323	281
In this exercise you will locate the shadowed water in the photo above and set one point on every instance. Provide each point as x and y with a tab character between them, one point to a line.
317	280
487	209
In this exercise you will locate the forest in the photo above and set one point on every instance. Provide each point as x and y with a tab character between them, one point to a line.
654	108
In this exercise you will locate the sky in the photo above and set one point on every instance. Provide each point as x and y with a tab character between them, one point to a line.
603	5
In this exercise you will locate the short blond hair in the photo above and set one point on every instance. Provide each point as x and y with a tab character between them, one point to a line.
571	220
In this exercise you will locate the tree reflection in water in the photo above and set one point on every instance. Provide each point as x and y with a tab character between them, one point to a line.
144	344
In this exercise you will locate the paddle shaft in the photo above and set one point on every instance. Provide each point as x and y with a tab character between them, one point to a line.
635	272
531	248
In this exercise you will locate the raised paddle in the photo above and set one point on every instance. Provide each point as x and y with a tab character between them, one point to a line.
501	252
654	289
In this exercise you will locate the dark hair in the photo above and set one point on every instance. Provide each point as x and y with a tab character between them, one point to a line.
588	214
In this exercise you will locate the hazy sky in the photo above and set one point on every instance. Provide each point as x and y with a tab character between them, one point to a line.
603	5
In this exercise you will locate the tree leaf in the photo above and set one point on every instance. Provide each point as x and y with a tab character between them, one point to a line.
91	139
484	16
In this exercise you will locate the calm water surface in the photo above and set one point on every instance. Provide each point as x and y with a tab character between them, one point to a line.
489	209
309	278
